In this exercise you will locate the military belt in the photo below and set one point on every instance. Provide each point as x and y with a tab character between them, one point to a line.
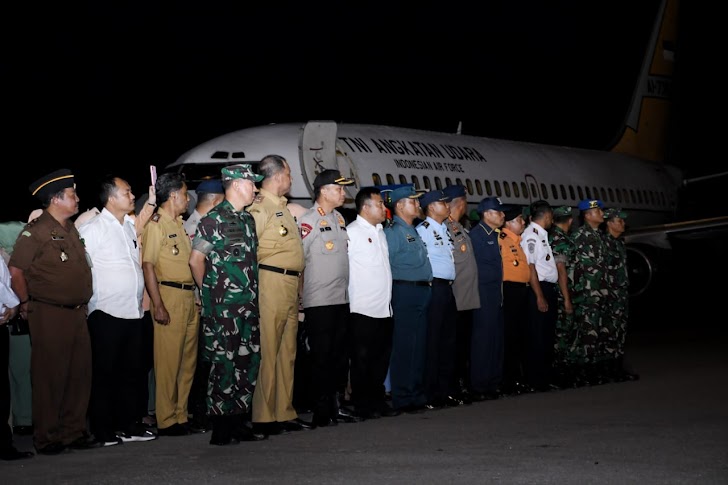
174	284
276	269
441	282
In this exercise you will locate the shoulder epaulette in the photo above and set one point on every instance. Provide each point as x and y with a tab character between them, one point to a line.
156	217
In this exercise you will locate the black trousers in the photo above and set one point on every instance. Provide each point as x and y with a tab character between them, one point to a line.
540	335
371	348
441	341
515	318
117	368
326	328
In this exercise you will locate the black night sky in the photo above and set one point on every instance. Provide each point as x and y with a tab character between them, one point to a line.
115	86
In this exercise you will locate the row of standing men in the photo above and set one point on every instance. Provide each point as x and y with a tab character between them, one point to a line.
396	292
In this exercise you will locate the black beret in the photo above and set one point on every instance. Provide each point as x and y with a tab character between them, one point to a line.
52	183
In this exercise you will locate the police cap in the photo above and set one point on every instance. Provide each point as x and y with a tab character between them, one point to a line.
329	177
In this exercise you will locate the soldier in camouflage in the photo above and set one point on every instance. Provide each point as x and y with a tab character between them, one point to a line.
562	246
225	267
618	296
590	290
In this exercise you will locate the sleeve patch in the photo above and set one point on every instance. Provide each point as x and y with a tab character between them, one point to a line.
305	230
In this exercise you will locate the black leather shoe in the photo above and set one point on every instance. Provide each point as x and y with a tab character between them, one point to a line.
52	449
297	424
322	420
11	453
413	409
175	430
347	416
23	430
243	433
387	412
435	405
85	443
452	401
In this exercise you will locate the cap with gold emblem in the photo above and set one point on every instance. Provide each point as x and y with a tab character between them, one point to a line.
585	205
240	171
331	177
52	183
406	192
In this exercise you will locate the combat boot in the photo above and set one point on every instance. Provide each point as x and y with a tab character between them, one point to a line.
221	430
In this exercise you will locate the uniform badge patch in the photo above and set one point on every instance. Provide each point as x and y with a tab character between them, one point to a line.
329	245
531	246
323	222
463	248
305	230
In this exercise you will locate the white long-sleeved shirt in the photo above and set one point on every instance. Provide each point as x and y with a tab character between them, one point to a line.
118	280
370	276
8	298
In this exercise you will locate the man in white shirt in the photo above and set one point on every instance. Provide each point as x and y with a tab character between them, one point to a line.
115	316
542	297
370	297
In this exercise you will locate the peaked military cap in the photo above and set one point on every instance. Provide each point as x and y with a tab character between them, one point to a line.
585	205
212	186
407	192
454	191
52	183
614	212
331	177
240	171
433	196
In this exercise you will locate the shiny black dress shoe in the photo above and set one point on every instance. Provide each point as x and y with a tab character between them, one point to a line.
367	413
347	416
175	430
297	424
243	433
387	412
435	405
52	449
11	453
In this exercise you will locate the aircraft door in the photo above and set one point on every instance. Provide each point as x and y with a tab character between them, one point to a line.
319	151
533	193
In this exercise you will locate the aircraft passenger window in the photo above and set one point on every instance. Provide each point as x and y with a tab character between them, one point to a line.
488	189
448	182
506	188
635	199
554	192
390	179
497	188
653	199
402	179
563	191
469	185
588	193
438	183
458	181
662	199
610	192
626	195
416	182
478	187
376	179
544	191
516	193
534	192
618	193
427	183
596	193
524	190
580	192
571	192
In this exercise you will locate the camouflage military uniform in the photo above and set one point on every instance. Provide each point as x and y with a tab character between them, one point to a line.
590	292
618	296
563	248
230	307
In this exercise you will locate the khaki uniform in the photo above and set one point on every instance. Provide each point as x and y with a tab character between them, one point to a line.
167	246
279	246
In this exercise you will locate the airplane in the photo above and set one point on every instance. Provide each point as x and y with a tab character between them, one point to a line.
630	175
